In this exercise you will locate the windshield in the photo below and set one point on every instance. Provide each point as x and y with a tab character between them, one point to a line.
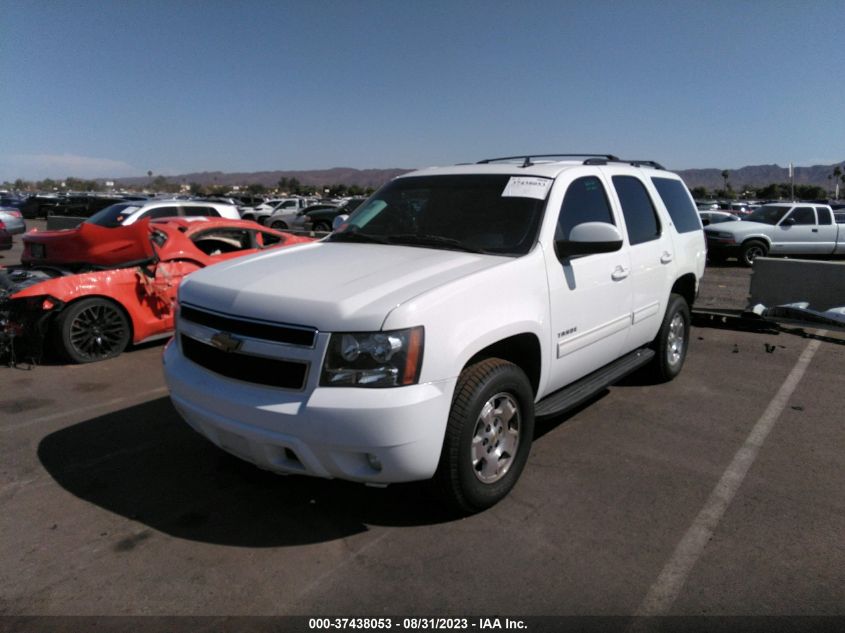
768	214
112	216
475	213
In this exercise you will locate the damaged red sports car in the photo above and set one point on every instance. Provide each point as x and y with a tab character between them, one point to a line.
90	291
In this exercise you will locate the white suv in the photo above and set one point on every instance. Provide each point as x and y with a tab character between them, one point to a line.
422	338
125	213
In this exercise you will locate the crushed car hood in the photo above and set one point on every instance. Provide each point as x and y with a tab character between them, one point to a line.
328	285
89	244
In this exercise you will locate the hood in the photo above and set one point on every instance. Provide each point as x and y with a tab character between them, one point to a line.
89	244
329	286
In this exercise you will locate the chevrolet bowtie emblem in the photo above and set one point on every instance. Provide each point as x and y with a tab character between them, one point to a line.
226	342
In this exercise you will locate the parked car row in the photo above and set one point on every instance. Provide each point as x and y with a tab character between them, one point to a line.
11	223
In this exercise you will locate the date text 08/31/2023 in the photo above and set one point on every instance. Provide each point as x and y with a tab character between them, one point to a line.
412	624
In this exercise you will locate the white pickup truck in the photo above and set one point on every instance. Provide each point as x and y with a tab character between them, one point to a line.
784	228
422	338
284	210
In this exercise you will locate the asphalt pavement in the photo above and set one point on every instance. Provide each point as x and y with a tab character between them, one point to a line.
717	494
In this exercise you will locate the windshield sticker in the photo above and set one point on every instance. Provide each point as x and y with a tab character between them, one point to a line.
522	187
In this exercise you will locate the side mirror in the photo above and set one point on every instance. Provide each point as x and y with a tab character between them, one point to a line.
589	238
339	220
789	221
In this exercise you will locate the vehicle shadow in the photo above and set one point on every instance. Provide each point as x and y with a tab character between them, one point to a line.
146	464
548	423
29	358
726	263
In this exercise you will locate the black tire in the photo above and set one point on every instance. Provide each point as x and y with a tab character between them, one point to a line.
248	216
279	225
716	258
323	226
751	250
469	439
672	341
91	330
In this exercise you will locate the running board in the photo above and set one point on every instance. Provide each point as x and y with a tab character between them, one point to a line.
582	390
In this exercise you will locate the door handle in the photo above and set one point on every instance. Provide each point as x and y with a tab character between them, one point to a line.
619	273
815	230
666	257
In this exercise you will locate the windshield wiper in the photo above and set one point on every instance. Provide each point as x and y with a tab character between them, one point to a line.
435	240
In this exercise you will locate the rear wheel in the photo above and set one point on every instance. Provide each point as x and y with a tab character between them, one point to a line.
488	436
322	226
91	330
672	340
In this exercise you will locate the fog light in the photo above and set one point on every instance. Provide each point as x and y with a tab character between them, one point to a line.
374	462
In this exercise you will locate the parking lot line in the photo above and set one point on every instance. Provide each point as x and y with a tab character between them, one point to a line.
135	398
663	593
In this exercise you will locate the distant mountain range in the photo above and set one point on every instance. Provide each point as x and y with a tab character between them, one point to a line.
325	177
760	176
739	179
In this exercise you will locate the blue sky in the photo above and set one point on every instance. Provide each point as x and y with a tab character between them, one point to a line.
97	89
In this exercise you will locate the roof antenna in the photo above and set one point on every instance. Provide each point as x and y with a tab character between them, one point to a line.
527	162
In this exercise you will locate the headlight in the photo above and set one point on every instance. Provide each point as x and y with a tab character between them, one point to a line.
722	234
373	359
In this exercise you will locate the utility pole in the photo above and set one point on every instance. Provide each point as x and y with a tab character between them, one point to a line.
791	182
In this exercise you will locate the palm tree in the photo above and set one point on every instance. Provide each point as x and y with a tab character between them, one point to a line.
725	178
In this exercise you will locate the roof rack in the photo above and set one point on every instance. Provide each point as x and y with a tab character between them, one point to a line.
527	159
590	159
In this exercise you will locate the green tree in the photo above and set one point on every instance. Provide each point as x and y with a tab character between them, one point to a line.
699	192
768	192
836	176
256	188
725	174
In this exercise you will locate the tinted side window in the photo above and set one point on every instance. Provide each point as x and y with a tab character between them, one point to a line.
203	211
678	204
640	216
585	201
824	215
162	212
802	215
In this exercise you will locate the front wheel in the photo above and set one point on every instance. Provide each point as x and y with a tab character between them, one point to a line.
488	436
752	250
279	225
91	330
672	340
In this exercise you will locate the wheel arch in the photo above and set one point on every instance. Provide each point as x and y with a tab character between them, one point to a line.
757	238
686	286
127	313
523	350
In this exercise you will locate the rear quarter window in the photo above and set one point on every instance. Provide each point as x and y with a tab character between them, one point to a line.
678	203
640	217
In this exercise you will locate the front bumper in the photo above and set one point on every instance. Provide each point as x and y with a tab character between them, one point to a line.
726	247
378	436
